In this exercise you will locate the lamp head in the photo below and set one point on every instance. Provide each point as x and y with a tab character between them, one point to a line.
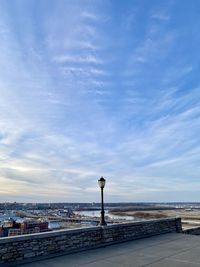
101	182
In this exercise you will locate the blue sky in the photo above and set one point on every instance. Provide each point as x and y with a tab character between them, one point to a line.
91	88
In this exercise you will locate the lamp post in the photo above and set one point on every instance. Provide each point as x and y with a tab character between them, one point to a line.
102	183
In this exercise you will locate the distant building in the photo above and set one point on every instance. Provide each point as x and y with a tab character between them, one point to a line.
30	226
12	228
13	232
67	212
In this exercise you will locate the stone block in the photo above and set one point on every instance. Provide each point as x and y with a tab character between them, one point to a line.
29	255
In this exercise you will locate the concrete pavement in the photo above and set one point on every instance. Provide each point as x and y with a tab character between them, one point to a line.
167	250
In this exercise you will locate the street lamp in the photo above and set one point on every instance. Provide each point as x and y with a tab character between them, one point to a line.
102	183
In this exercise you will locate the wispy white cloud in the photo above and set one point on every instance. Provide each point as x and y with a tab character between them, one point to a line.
91	16
160	16
78	59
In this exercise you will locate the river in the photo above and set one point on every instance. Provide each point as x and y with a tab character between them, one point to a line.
97	213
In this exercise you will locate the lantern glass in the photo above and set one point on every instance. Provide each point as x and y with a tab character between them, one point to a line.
102	182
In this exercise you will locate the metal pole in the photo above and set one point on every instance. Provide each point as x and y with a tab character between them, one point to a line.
102	209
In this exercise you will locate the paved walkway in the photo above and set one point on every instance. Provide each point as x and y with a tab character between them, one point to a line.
167	250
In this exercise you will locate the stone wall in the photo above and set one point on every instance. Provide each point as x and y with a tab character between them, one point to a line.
27	248
192	231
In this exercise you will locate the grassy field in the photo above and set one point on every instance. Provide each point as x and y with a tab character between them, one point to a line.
189	218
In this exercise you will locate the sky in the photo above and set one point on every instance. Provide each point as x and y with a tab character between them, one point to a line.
91	88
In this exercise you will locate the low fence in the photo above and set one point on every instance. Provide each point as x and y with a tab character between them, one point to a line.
28	248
